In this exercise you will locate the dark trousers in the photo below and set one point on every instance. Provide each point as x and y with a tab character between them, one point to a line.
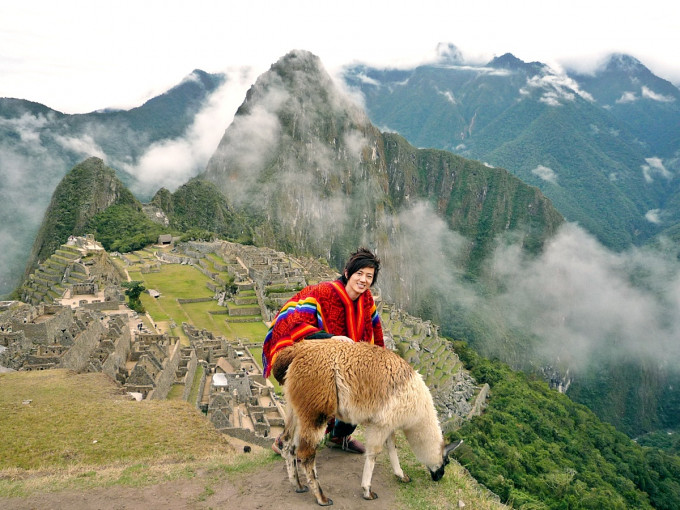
342	429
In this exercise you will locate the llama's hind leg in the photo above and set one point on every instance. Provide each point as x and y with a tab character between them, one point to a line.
307	455
288	452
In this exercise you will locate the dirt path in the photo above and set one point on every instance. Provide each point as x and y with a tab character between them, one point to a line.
266	488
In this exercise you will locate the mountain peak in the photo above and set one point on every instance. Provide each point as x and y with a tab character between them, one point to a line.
625	63
512	63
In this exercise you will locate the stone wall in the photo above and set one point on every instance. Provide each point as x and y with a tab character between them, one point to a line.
183	301
101	306
50	321
119	356
166	377
192	365
78	356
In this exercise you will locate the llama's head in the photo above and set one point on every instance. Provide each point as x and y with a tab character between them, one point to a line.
438	473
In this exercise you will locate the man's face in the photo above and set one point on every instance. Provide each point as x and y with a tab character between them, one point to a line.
359	282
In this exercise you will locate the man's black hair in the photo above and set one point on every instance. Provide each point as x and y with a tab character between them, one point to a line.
358	260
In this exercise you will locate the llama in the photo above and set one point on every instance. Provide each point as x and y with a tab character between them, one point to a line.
362	384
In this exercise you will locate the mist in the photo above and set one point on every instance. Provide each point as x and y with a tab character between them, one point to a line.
170	163
575	302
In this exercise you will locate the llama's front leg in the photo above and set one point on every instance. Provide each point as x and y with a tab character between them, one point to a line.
394	460
369	464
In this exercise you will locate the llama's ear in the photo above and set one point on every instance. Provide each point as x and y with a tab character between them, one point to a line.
452	446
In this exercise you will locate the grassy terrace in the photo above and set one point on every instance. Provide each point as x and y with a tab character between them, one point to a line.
56	436
176	281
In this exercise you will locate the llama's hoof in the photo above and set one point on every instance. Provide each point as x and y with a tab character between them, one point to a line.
370	495
405	478
302	489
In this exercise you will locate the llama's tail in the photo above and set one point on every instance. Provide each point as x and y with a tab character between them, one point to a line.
280	366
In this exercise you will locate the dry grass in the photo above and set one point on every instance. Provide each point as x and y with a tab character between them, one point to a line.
66	430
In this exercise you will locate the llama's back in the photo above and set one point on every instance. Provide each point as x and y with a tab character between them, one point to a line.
356	381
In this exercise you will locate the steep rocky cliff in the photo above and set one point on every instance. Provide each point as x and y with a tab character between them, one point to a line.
303	160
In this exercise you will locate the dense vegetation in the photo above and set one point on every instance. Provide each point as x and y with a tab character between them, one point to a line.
537	449
199	206
124	228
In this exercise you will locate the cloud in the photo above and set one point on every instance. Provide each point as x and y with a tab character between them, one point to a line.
422	260
448	95
653	216
650	94
654	167
171	163
580	299
627	97
364	78
84	146
545	173
24	196
556	88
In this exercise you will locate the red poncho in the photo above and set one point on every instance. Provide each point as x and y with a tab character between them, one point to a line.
324	307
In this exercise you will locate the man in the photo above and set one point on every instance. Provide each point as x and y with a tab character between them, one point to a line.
343	310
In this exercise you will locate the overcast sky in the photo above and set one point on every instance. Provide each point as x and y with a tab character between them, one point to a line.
80	55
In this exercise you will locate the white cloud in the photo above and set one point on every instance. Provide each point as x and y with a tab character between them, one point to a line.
171	163
556	88
364	78
579	297
653	216
448	95
627	97
545	173
654	167
85	146
650	94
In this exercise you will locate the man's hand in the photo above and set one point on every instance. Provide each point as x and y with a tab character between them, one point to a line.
342	338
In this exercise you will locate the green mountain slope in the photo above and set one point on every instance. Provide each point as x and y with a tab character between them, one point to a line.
538	449
594	160
88	189
199	205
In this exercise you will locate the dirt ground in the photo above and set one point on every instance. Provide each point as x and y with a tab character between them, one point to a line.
266	488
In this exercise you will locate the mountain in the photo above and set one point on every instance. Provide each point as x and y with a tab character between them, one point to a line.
649	106
594	158
39	145
86	190
199	205
318	178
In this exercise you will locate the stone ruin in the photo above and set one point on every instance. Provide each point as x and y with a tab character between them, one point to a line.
54	336
241	402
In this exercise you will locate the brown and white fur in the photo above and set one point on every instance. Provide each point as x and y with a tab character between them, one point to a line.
361	384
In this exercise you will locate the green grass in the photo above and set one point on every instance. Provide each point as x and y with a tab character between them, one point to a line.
254	331
422	493
176	392
196	385
179	281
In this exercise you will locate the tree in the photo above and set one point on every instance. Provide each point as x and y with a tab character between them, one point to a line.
133	291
